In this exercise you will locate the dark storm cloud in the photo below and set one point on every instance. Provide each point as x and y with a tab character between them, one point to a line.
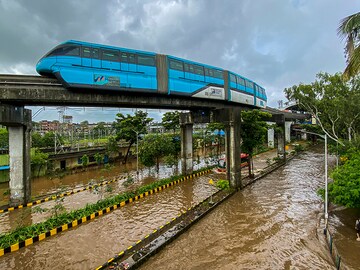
277	43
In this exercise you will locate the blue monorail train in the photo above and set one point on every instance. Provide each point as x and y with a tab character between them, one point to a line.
85	65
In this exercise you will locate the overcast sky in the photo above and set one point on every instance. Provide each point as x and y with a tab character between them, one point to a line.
276	43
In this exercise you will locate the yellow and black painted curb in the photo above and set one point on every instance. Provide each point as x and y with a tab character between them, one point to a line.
130	248
168	224
77	222
89	187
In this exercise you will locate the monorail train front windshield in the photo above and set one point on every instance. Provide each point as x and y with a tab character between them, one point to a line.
65	50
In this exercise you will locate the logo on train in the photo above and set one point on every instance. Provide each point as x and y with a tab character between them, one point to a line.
215	92
100	79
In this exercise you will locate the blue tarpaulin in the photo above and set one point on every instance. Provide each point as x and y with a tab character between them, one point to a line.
3	168
219	132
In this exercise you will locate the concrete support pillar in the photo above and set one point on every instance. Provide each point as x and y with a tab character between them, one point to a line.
233	151
271	136
19	153
186	126
18	121
287	131
280	122
281	144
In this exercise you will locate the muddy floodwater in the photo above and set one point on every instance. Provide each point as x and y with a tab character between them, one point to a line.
275	223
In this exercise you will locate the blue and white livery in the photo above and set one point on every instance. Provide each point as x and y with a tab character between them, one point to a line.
85	65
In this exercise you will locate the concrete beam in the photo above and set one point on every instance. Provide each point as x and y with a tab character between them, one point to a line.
50	95
14	115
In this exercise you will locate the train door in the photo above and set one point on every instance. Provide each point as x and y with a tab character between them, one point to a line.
95	61
86	57
132	62
124	61
256	94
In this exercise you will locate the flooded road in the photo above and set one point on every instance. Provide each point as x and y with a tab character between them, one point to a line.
93	243
273	224
27	216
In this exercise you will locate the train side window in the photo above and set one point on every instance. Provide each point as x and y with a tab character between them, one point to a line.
145	60
177	65
110	55
132	58
232	78
124	57
186	67
240	81
191	68
249	84
199	70
86	52
95	53
218	74
211	73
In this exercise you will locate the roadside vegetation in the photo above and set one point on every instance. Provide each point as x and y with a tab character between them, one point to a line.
345	189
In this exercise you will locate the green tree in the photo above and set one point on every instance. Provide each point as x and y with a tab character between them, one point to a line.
85	160
36	140
4	138
99	158
171	121
154	147
48	140
38	159
345	189
130	126
333	102
112	146
349	29
253	131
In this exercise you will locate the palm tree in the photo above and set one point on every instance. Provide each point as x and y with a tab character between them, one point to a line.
349	29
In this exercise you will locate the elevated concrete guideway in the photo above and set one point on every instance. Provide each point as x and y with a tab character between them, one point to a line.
23	90
17	91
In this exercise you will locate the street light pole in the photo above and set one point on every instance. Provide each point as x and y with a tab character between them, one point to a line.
326	184
137	153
